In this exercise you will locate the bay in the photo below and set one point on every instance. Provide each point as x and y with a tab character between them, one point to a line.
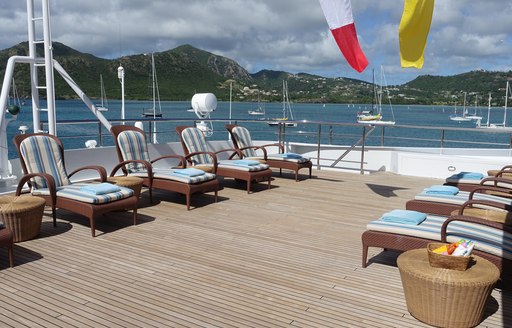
75	135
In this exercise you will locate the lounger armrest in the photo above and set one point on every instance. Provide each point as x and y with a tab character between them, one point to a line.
212	155
472	219
487	203
279	146
483	189
235	152
100	169
507	168
256	148
496	179
182	163
146	164
50	181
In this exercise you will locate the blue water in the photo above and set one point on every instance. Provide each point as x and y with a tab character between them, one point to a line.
74	136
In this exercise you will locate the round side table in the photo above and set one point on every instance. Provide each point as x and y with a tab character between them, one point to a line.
134	183
444	297
23	215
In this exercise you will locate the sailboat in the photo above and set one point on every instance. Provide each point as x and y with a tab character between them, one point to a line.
287	109
103	106
463	117
156	109
475	116
260	110
369	116
502	125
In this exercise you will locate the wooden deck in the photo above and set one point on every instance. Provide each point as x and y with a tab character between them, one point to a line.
285	257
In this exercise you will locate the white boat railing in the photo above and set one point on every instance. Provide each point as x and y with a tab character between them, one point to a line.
346	138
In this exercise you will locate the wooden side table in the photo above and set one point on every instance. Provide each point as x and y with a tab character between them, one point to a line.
443	297
134	183
488	214
23	215
6	240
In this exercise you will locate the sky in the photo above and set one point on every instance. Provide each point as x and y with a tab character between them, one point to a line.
287	35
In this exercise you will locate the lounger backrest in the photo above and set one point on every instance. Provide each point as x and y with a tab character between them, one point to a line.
243	139
195	141
42	154
133	147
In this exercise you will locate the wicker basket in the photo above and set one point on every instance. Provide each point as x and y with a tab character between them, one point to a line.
459	263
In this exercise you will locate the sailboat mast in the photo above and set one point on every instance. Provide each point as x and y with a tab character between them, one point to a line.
154	86
489	110
505	112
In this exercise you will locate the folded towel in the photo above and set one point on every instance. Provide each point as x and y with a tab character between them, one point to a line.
404	217
189	172
245	162
291	155
442	190
468	175
100	188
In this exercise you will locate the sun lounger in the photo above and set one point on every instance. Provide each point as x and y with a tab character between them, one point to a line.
440	204
242	141
468	181
493	240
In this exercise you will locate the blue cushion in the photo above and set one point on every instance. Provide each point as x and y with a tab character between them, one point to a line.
404	217
100	188
468	175
442	190
246	162
190	172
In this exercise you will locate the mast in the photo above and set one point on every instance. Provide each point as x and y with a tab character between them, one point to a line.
505	112
489	110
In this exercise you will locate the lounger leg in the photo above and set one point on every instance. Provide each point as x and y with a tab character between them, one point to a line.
216	195
310	172
269	181
280	171
54	215
296	175
93	227
249	186
134	216
365	255
11	255
151	195
188	201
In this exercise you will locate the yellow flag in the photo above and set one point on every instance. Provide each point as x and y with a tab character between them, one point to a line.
413	31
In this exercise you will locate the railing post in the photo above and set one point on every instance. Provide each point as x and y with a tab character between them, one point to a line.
100	136
382	136
442	138
362	150
330	134
318	146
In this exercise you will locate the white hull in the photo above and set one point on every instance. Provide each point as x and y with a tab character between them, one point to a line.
376	122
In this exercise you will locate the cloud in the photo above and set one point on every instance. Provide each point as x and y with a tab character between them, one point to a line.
289	35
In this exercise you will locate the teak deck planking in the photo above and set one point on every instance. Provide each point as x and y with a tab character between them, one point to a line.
285	257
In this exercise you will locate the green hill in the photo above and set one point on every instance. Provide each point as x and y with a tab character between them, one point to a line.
186	70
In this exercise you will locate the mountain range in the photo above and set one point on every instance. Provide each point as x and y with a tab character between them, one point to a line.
185	70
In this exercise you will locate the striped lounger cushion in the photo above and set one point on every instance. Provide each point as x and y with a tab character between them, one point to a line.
281	158
460	198
487	239
73	191
169	174
133	147
250	168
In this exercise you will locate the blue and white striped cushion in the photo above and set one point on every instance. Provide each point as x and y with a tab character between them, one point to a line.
243	139
281	158
43	155
133	147
196	142
73	191
487	239
170	175
251	168
460	198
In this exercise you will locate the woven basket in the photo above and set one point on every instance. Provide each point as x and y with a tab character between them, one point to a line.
459	263
23	215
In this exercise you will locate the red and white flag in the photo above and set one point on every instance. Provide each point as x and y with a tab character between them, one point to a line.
338	14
